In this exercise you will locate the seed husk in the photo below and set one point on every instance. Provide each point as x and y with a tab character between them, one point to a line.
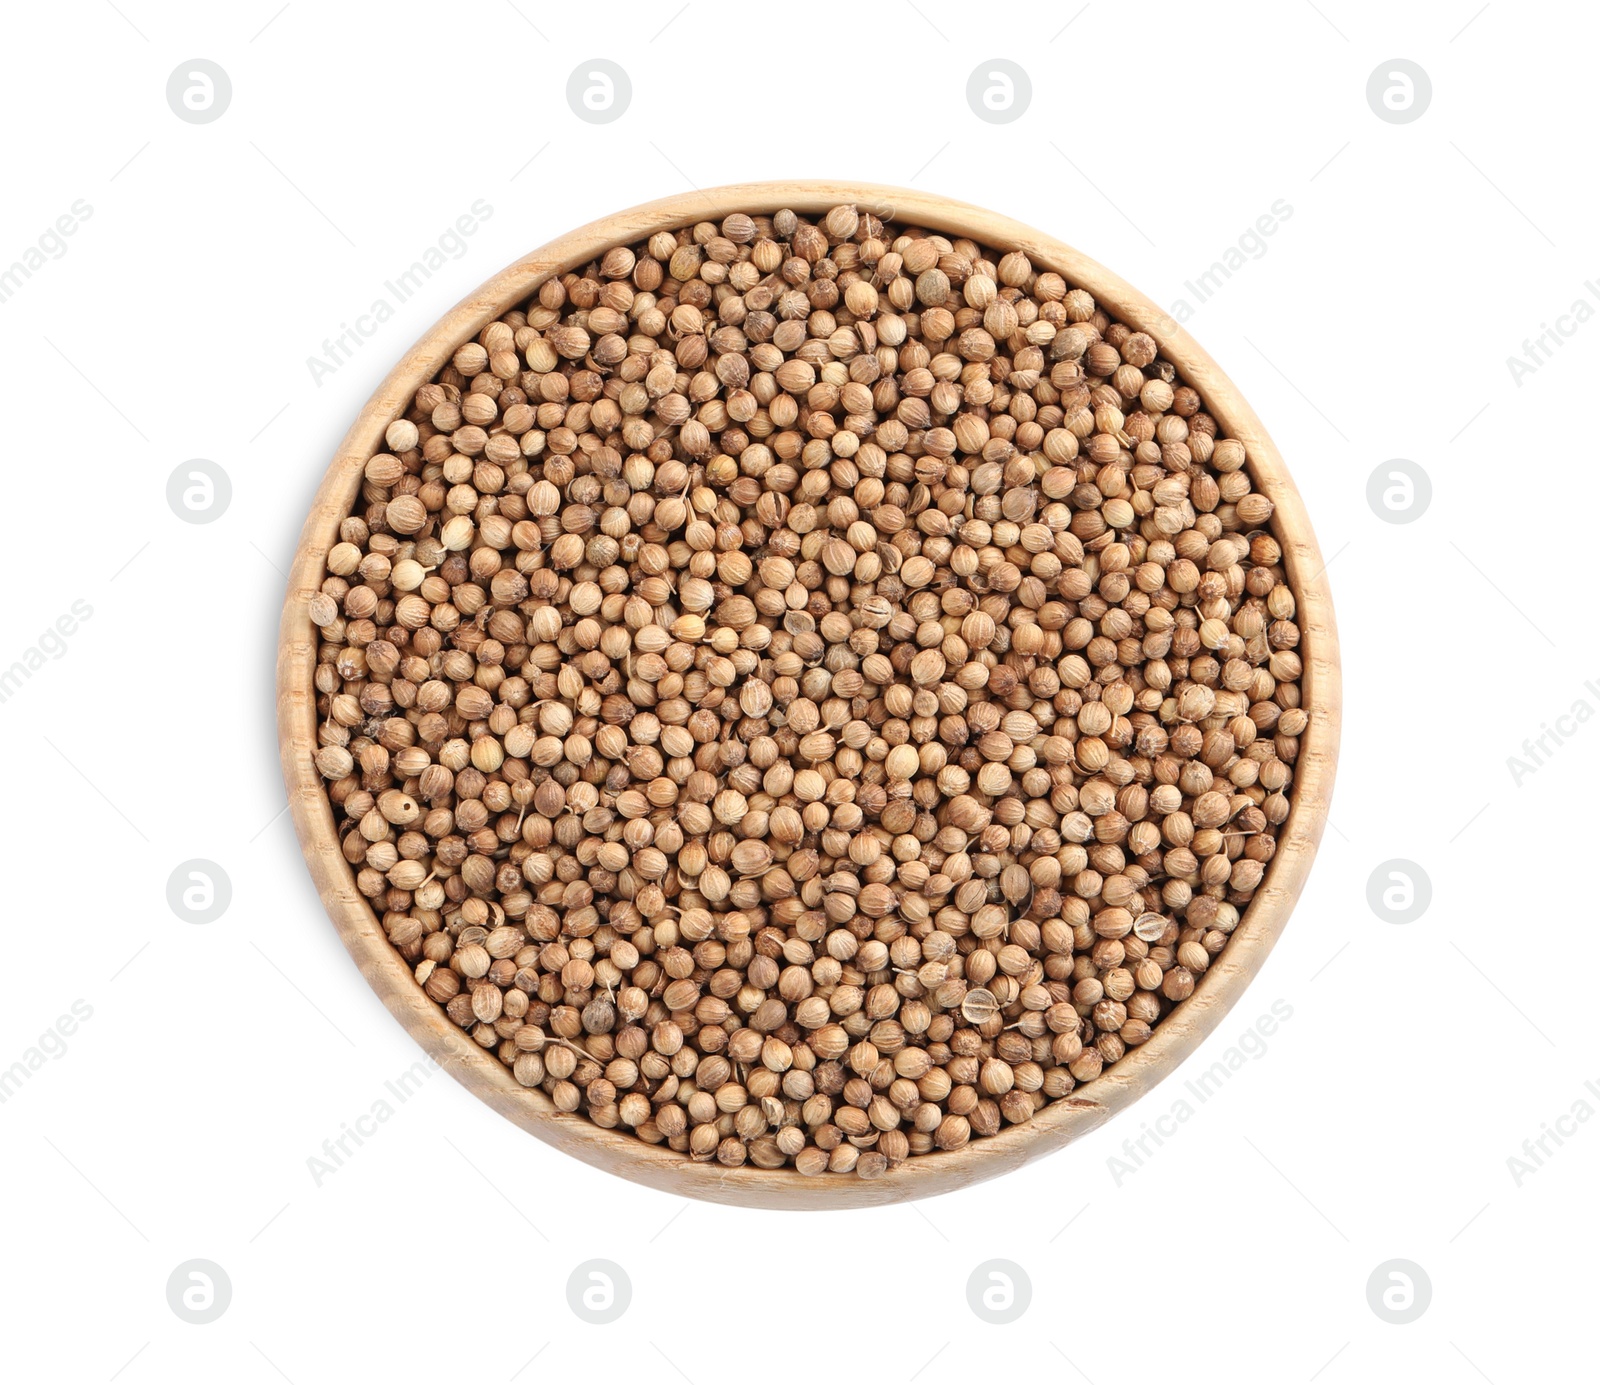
978	1005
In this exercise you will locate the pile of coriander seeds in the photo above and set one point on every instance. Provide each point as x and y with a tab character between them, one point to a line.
808	692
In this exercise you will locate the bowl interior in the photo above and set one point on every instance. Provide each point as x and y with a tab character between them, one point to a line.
1060	1121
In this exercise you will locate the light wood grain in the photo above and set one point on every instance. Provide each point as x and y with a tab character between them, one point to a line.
1058	1123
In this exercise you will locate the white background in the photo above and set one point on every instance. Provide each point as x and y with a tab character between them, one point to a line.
177	325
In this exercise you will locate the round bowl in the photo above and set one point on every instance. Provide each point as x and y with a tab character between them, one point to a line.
1061	1121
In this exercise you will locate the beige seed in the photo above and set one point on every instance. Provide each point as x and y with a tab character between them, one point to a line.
794	642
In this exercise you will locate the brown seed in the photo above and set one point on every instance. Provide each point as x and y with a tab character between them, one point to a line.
978	1005
806	691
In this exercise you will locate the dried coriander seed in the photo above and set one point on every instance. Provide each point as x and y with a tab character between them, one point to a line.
809	693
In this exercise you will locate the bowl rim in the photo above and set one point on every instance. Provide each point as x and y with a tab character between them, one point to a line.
618	1151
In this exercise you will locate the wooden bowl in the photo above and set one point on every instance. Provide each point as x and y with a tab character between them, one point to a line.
1058	1123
